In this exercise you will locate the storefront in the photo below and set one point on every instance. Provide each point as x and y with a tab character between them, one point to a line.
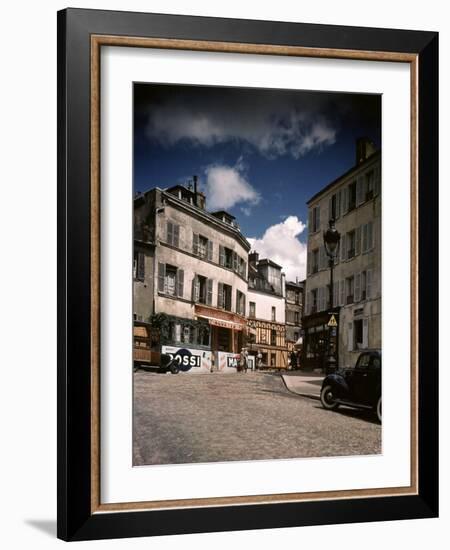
227	339
320	339
266	343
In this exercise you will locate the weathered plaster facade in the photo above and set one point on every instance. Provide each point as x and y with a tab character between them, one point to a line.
354	201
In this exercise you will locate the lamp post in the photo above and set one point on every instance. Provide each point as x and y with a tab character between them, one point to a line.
331	239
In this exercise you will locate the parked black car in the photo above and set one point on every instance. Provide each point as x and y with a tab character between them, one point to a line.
358	387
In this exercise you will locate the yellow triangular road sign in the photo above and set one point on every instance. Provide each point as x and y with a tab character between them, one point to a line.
332	322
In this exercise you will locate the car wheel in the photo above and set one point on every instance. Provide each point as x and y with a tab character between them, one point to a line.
379	410
174	369
328	399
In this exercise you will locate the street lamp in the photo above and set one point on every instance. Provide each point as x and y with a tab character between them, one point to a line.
331	238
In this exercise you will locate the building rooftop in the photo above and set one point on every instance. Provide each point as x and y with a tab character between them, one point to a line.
345	175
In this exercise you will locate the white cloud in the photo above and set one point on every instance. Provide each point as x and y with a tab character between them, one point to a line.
274	129
226	186
280	243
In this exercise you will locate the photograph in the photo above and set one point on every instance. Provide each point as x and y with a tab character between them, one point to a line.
257	271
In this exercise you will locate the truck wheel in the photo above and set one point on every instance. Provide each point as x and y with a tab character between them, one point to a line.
379	410
174	369
328	399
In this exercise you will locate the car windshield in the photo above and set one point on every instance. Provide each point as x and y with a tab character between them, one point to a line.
364	361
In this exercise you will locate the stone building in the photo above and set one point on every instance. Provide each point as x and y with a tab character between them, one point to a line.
266	313
294	313
190	276
354	201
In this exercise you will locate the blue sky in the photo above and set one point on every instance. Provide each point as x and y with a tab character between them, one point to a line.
259	154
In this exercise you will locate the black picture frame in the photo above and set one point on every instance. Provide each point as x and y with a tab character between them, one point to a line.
76	521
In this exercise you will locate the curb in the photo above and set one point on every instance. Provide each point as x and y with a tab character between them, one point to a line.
308	395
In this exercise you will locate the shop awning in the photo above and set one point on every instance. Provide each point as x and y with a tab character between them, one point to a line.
224	324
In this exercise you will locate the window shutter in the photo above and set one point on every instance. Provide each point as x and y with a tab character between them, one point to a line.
161	277
308	264
370	235
342	292
169	238
195	289
195	243
235	261
365	342
220	303
344	199
317	218
141	266
338	204
310	220
357	240
210	251
221	255
357	287
343	247
243	305
360	190
350	337
176	235
180	282
330	207
364	238
369	284
209	292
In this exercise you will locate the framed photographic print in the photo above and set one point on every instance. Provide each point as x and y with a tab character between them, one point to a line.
247	274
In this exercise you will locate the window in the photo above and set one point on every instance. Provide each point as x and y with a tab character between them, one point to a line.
334	206
224	296
360	333
183	333
240	302
170	280
363	285
349	283
296	317
296	336
370	182
351	196
273	337
225	257
367	237
314	219
173	234
315	260
350	244
252	308
201	246
202	289
274	313
314	300
139	266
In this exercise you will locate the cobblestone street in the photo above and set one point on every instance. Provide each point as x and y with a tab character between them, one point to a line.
220	417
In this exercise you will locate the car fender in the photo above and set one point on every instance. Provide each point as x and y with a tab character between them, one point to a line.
338	383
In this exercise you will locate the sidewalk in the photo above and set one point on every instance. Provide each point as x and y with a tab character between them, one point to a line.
307	385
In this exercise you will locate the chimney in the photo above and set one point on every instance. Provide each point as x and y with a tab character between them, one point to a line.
195	189
364	149
253	258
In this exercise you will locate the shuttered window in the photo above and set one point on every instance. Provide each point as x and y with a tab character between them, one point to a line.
365	342
173	234
369	284
343	245
139	267
161	277
357	287
209	292
180	283
357	241
210	251
195	238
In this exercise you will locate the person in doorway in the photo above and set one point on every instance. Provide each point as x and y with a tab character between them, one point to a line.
293	359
